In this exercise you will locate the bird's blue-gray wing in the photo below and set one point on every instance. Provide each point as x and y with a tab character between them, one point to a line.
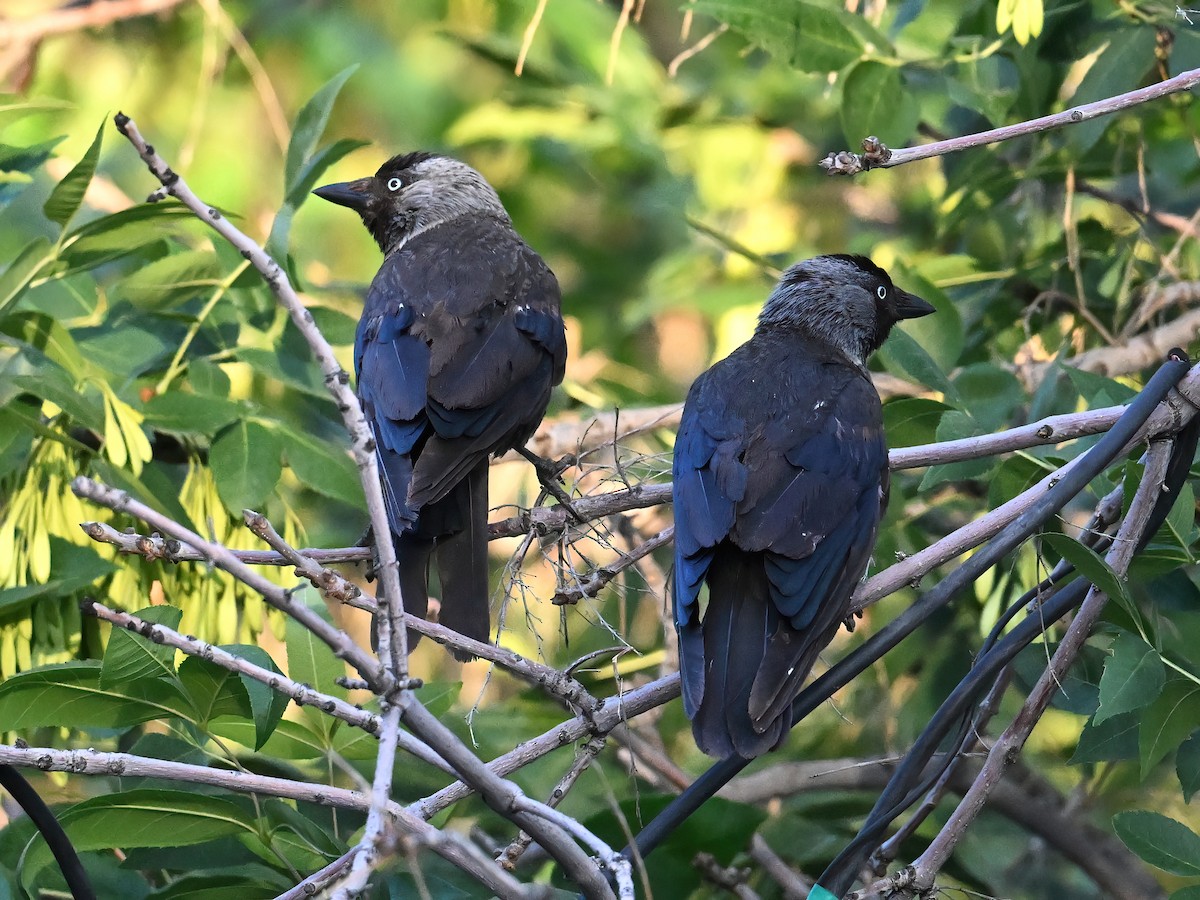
392	366
812	507
708	481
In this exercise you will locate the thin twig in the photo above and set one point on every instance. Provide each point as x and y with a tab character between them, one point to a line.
390	679
341	643
371	848
316	882
612	712
70	18
730	878
583	758
699	47
600	578
508	800
527	39
792	883
877	156
302	694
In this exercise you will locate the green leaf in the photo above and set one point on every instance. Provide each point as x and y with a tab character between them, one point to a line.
1092	387
911	421
300	739
213	690
245	463
1182	518
1091	565
298	191
875	102
141	818
266	706
990	394
17	165
71	693
338	327
1187	893
126	230
311	662
305	844
903	356
14	107
172	279
1187	766
322	467
1165	843
182	412
1119	68
221	887
955	425
1115	739
66	198
22	270
310	125
298	373
1078	691
805	36
1133	677
1168	721
129	657
124	349
314	167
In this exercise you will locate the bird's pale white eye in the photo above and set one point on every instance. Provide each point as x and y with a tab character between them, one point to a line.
881	292
394	184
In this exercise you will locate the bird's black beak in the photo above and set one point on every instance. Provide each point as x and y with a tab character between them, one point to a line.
353	194
910	306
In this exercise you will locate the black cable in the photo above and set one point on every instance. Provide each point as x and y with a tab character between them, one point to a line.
902	788
1095	461
996	654
56	839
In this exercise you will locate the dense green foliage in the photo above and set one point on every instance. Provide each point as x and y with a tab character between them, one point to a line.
139	349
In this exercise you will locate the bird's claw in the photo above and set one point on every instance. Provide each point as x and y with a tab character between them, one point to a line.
549	475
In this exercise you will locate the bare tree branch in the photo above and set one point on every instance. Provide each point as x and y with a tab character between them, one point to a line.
76	17
338	641
583	758
1026	800
876	155
393	648
1007	748
612	712
508	800
302	694
90	762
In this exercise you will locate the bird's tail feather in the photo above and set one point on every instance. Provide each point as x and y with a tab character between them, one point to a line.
737	627
412	554
462	561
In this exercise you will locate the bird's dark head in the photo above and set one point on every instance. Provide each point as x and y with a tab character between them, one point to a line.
847	301
412	193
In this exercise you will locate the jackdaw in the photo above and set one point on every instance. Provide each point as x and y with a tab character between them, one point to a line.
460	341
781	476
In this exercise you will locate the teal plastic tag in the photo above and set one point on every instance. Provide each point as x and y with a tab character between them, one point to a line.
819	893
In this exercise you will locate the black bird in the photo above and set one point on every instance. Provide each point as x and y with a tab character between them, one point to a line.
781	476
460	341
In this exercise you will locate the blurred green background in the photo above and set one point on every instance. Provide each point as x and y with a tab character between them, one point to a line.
662	157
